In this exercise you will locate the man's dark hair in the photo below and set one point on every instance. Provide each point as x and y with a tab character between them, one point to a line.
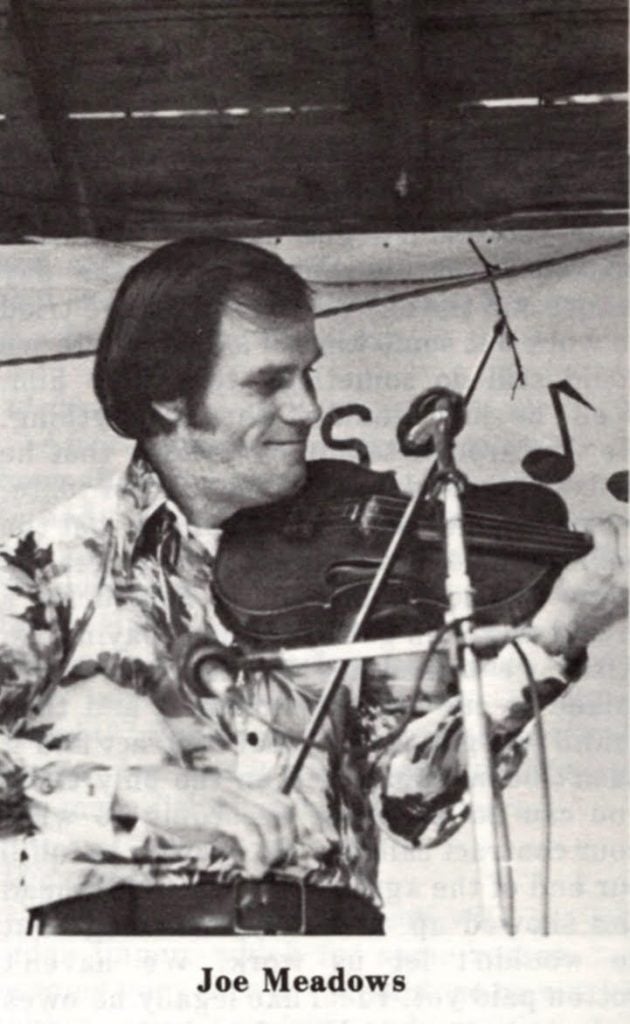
159	341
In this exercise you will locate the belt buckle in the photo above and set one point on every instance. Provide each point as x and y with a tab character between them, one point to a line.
240	885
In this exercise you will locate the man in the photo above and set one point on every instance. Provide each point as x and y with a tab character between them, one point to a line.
144	807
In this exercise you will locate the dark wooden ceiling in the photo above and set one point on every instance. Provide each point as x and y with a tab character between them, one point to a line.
300	116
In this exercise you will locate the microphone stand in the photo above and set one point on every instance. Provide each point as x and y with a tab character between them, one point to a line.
448	485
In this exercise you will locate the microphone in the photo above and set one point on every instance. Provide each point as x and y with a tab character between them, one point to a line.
437	407
206	668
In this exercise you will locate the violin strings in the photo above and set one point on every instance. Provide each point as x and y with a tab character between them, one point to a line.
530	541
561	537
398	504
492	517
535	528
543	531
538	543
492	522
526	539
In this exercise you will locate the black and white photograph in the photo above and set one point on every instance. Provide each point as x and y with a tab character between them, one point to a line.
313	546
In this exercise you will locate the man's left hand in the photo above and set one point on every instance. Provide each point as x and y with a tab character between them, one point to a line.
590	594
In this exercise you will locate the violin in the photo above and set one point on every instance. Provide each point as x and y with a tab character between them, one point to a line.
296	572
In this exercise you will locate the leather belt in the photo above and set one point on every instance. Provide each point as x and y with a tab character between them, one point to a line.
243	907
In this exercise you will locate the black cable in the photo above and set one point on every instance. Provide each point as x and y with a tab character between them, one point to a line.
375	282
55	357
522	268
353	307
392	736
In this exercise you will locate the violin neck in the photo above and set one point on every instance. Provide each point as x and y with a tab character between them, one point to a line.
559	546
488	532
552	549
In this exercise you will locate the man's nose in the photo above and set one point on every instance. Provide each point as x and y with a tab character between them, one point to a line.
300	404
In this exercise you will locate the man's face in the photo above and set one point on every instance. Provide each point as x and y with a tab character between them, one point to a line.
248	434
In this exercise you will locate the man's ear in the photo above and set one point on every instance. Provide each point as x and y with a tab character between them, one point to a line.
172	410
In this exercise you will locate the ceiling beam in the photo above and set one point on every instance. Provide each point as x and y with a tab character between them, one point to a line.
52	123
398	57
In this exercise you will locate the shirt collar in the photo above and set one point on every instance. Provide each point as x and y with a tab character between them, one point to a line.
143	505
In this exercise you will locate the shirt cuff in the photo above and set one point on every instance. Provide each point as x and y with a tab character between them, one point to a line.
506	683
71	791
70	806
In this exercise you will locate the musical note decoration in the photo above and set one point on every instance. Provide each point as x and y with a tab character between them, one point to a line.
544	464
351	443
617	484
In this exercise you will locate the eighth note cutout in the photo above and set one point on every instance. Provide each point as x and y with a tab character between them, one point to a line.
544	464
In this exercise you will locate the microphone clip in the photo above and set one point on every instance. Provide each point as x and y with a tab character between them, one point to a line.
433	419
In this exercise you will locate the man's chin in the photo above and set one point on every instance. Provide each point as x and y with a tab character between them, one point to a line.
291	483
280	486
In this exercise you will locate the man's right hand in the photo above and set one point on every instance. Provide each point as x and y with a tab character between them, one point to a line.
257	826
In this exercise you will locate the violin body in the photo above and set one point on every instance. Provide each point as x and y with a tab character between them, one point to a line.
296	572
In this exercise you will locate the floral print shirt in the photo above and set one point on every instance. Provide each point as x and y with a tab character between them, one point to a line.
97	599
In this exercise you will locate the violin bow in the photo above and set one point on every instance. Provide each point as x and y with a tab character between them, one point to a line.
337	676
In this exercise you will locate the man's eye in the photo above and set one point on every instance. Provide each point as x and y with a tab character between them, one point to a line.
268	385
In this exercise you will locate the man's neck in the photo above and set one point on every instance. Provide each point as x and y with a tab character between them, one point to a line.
189	485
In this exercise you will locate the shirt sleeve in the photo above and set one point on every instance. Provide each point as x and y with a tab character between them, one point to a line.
421	776
65	803
61	746
41	783
32	644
